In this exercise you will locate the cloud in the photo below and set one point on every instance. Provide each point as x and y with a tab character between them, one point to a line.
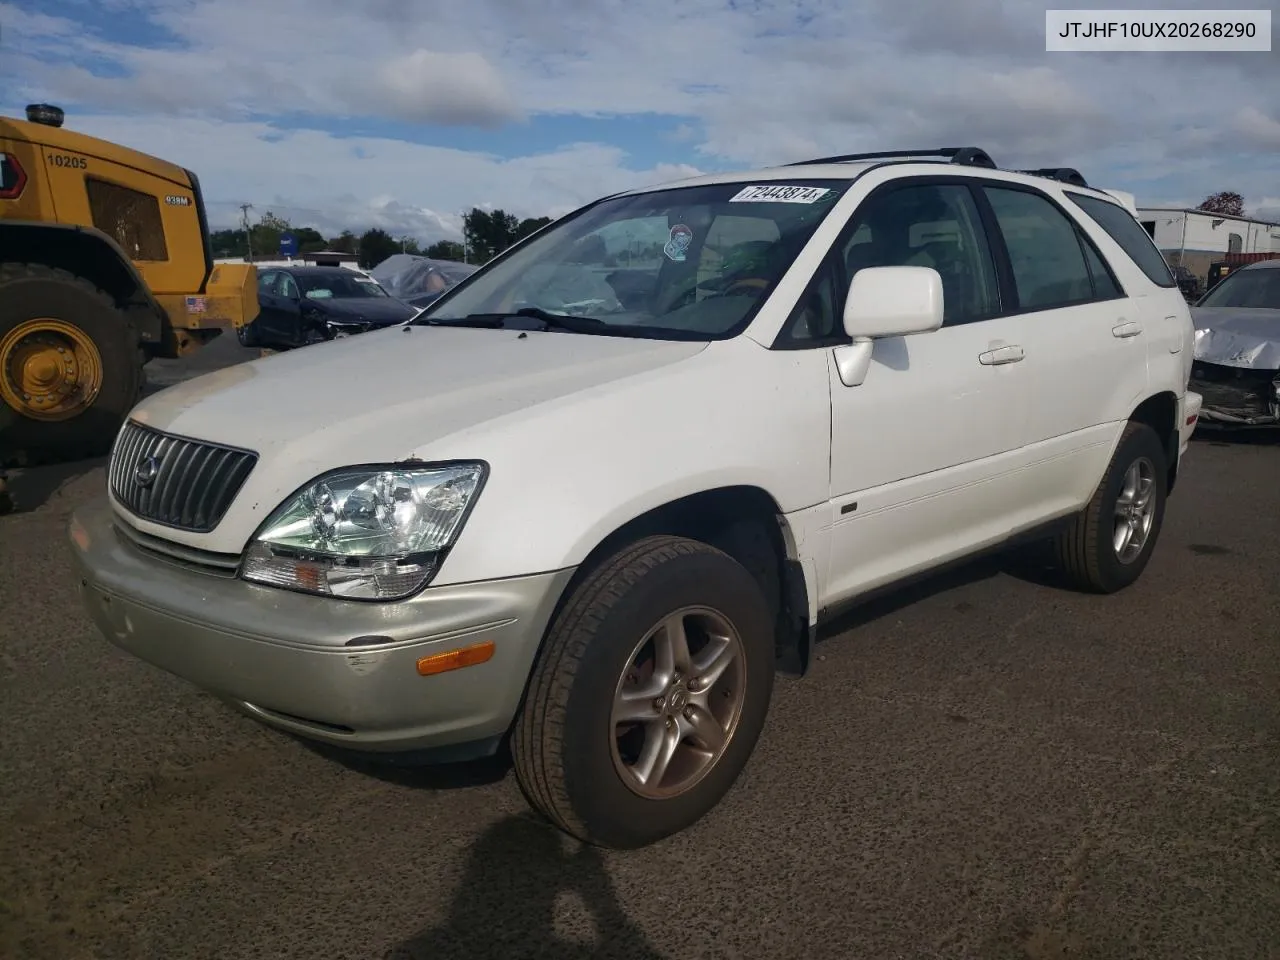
335	182
332	106
448	88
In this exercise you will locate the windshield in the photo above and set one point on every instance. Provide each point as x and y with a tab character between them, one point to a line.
691	262
1259	289
338	287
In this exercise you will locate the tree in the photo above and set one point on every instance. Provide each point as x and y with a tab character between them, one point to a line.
1226	202
309	239
489	232
345	242
445	250
375	246
266	234
228	243
531	225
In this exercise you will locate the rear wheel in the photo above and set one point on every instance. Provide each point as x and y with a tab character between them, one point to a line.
70	367
649	696
1109	544
248	336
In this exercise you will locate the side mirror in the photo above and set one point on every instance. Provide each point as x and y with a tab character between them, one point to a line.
893	302
886	302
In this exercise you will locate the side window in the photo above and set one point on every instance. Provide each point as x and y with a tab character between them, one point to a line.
930	225
267	282
286	287
1049	268
1132	238
1104	284
816	317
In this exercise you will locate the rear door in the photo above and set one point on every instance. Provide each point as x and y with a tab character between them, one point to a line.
1141	268
270	324
1083	339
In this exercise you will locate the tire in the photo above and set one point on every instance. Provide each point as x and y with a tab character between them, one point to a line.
1087	549
567	759
31	291
247	335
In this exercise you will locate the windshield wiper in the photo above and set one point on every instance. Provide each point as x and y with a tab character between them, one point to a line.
545	318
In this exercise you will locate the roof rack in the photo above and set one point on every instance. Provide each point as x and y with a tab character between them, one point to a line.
1066	174
969	156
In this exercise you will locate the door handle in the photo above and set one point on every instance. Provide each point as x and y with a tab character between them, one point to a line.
1010	353
1126	328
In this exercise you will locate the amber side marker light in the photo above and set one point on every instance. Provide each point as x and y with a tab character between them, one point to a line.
455	659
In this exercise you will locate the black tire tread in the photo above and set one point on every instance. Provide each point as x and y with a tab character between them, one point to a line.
14	271
1076	547
537	740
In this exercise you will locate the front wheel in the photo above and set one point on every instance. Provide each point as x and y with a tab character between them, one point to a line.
649	696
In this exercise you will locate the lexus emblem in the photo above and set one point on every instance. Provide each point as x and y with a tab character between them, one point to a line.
147	470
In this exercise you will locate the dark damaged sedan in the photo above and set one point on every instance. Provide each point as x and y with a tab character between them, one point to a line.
301	305
1237	360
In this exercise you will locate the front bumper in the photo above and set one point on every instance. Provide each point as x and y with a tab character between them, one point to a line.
1188	419
336	671
1237	396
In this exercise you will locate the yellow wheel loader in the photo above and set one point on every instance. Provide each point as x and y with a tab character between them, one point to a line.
105	263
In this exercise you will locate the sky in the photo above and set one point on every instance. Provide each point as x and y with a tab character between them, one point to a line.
403	114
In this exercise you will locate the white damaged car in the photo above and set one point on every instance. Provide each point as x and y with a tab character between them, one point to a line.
593	538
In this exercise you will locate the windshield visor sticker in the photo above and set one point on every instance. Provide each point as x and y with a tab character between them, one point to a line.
779	193
677	245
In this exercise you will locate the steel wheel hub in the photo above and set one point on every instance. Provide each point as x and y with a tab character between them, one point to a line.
678	703
1135	511
49	369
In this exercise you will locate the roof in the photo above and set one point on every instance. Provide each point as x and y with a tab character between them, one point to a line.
314	270
72	141
1208	213
851	169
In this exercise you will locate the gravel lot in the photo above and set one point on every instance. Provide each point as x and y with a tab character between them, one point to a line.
984	765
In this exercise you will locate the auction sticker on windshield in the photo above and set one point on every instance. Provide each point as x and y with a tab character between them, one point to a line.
779	193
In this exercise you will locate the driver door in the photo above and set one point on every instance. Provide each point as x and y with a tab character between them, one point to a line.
922	465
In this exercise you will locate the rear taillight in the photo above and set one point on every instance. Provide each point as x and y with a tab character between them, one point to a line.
12	177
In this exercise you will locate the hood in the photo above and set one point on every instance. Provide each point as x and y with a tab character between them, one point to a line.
1238	336
369	309
384	395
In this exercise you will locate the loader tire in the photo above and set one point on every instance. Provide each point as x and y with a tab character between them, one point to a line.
64	336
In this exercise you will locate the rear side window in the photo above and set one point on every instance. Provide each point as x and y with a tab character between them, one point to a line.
1129	234
130	218
1049	267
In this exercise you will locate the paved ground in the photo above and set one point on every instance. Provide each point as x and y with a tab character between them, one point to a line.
982	767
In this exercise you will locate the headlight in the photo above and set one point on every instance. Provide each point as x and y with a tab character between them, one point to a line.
365	533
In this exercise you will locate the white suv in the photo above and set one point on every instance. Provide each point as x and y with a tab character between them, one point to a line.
590	501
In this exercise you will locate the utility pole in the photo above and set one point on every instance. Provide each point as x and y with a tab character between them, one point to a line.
248	234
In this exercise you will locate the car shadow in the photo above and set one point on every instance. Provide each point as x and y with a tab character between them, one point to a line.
24	489
507	899
1266	436
416	773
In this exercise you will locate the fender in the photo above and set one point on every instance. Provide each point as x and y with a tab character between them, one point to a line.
89	253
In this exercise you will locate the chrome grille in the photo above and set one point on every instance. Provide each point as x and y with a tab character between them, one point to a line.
175	481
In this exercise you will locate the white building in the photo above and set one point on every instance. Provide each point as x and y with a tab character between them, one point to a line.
1197	232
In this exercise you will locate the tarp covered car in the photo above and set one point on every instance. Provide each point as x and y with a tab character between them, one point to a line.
419	280
1237	358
